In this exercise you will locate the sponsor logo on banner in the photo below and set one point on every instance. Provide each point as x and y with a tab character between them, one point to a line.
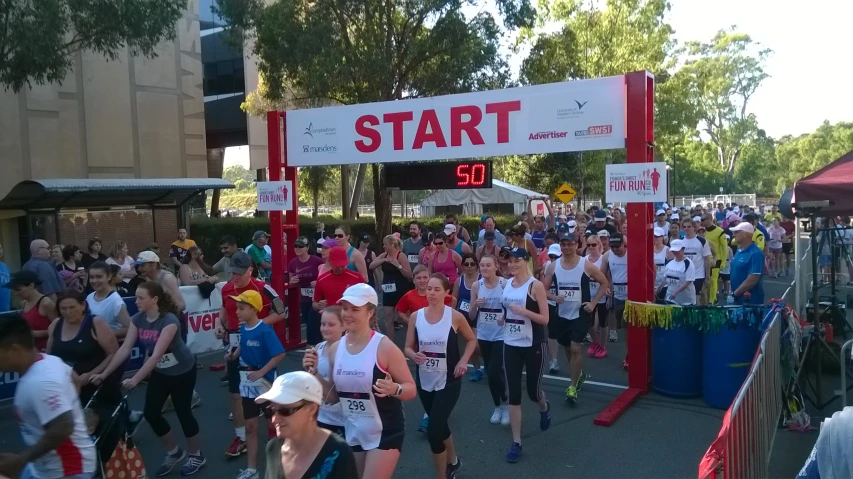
203	315
204	320
636	182
547	135
527	120
600	130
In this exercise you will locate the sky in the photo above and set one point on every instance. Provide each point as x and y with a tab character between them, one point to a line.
810	77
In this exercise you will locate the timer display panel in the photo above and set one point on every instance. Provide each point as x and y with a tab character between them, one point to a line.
457	175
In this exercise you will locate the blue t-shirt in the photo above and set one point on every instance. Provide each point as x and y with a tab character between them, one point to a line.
747	261
5	293
720	216
257	346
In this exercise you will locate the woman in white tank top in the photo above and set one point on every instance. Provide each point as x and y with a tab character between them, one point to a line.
317	361
371	378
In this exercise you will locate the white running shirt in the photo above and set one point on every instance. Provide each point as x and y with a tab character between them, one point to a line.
697	249
45	392
677	273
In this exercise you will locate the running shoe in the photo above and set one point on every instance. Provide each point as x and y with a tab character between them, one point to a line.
545	417
196	401
625	364
613	336
601	353
582	379
170	462
588	338
230	416
424	424
554	367
593	348
514	453
505	415
496	416
134	419
452	469
476	375
572	395
237	447
248	474
193	464
223	380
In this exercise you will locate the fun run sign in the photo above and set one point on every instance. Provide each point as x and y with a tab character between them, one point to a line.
569	116
275	196
636	183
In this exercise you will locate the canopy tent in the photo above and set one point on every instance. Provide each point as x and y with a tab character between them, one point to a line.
473	201
833	182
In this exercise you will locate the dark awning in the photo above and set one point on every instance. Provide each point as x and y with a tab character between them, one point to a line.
103	193
834	183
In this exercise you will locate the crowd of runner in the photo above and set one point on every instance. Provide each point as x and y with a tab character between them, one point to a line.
504	301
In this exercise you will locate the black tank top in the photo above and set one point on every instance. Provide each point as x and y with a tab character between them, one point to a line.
392	275
82	352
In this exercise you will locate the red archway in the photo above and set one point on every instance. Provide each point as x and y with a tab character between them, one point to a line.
354	134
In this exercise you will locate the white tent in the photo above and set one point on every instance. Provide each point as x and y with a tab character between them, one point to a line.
475	202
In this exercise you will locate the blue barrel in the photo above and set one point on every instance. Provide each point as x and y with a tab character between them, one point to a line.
727	356
677	362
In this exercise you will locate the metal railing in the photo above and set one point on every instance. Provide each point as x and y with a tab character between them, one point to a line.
742	448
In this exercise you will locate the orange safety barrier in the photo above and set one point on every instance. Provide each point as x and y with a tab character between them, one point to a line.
742	448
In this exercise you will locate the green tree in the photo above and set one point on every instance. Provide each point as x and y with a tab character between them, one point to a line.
797	157
315	179
240	176
38	39
721	77
361	51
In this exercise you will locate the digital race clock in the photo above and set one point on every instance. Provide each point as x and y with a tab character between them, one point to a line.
455	175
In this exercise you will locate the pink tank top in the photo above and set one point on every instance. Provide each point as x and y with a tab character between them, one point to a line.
447	267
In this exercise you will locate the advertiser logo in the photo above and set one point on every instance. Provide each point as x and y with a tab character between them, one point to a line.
547	135
575	111
599	130
203	320
319	149
311	131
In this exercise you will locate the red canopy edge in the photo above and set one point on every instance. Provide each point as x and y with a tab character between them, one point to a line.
833	182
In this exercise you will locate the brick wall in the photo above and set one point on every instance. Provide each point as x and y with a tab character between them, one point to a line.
135	227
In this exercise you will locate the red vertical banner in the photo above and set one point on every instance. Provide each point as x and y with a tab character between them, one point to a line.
639	144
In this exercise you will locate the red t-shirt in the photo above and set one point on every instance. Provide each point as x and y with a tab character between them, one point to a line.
789	226
412	301
268	295
331	286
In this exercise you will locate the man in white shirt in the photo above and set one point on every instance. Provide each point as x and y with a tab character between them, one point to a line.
698	251
679	277
48	410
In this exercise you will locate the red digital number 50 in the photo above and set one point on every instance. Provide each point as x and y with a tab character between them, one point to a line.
470	174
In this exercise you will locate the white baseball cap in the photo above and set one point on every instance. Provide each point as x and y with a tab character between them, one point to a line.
147	257
674	217
554	250
697	218
660	212
603	234
360	294
744	226
676	245
660	232
449	229
292	387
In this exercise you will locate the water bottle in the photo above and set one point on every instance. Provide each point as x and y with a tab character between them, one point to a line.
730	299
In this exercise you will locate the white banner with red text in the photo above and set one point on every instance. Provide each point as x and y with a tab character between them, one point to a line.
579	115
635	183
202	317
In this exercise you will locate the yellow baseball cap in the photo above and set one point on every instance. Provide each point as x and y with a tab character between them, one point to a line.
252	298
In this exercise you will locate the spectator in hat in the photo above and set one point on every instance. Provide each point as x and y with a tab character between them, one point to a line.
601	223
148	265
747	267
50	283
261	254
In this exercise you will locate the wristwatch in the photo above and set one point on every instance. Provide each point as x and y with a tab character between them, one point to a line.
399	390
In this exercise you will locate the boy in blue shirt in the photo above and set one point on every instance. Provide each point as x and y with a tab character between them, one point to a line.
260	352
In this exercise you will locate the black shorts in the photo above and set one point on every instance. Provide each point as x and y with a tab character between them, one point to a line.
698	283
553	329
788	248
567	331
251	409
724	276
389	440
601	313
232	369
339	430
391	299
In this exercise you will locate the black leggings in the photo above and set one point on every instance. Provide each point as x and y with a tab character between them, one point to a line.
493	358
180	387
516	359
438	405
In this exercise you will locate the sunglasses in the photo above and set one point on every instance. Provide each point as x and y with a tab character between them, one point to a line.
339	236
589	245
300	245
284	411
469	263
439	243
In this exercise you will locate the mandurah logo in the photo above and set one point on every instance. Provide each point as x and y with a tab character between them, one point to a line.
311	131
547	135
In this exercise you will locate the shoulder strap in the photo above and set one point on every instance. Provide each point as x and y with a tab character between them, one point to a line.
701	240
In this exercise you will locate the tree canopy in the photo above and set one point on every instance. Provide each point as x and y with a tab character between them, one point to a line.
39	39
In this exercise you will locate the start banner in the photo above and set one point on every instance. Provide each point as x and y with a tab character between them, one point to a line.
636	183
578	115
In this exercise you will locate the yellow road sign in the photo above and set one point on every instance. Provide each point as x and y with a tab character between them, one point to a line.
565	193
